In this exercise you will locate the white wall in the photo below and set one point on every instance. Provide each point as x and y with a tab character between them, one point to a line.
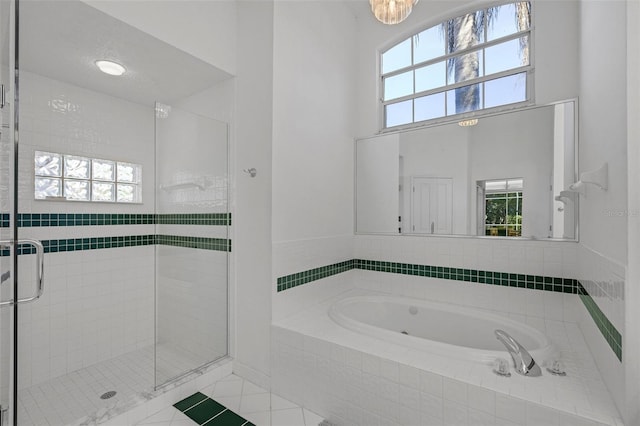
377	179
603	138
313	119
313	129
632	289
205	29
252	219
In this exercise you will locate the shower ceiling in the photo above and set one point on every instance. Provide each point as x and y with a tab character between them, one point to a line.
65	38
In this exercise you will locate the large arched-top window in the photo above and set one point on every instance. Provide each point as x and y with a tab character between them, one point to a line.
476	61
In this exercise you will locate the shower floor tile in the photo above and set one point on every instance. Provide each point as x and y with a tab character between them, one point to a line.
74	398
245	404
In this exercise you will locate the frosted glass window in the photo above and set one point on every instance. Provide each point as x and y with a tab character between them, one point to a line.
76	167
104	170
76	190
48	164
126	193
47	187
77	178
128	172
471	49
103	191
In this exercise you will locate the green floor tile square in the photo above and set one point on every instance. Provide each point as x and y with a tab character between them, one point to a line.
227	418
190	401
204	411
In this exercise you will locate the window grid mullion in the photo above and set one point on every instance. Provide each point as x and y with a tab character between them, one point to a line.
513	71
462	52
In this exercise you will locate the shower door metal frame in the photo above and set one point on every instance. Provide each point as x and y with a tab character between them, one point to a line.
14	244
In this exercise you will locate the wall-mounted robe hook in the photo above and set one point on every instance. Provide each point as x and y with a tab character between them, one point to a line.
252	172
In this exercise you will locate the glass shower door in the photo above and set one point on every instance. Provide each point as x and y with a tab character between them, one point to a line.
192	242
7	372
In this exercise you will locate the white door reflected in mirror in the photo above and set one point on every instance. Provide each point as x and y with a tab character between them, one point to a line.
499	178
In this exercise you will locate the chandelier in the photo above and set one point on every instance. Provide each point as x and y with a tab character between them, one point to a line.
391	11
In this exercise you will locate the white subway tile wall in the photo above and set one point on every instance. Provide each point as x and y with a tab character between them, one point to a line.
604	279
97	304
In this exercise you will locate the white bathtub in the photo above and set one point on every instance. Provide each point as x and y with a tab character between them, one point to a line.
442	329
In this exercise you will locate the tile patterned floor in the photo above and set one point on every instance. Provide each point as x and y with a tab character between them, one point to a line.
253	403
75	396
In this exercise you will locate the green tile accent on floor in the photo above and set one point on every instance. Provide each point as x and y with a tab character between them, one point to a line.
608	330
190	401
204	410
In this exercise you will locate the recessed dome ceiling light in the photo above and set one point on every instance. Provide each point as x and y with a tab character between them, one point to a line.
111	68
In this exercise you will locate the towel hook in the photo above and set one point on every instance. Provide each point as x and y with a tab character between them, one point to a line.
252	172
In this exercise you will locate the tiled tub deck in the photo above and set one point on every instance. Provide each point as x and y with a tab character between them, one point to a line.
352	379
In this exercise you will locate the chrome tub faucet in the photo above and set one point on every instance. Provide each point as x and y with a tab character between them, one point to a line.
522	360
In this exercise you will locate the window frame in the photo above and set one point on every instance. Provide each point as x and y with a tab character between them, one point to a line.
520	191
91	180
481	112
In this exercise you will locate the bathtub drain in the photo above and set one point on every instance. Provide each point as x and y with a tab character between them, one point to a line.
108	395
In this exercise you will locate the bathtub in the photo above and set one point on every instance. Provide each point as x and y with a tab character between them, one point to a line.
438	328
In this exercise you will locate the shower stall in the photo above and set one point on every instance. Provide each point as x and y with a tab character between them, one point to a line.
114	215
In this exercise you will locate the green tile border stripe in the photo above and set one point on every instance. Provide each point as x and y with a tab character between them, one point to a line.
294	280
219	244
611	335
96	243
207	411
31	220
533	282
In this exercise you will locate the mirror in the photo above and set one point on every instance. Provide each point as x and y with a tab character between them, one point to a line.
506	176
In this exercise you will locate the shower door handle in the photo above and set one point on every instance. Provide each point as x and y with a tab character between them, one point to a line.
39	268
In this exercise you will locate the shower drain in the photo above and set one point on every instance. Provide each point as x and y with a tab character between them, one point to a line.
108	395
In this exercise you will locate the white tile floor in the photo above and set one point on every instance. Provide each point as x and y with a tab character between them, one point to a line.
252	402
75	397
